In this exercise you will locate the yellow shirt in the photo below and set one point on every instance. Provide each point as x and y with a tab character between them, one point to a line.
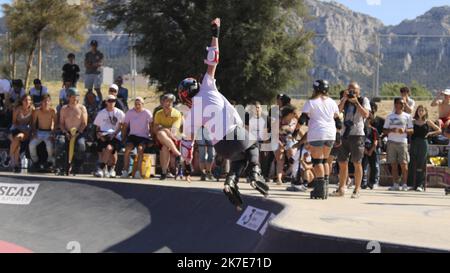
171	121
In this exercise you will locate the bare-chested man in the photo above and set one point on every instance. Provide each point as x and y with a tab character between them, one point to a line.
443	102
74	115
43	126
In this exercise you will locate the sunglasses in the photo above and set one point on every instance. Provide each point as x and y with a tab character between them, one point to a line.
111	101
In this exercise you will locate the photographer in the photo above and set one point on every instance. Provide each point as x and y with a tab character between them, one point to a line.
356	110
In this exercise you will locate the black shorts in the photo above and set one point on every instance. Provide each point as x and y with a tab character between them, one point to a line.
136	141
234	144
103	144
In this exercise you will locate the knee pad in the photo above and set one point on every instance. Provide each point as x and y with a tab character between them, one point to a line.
316	161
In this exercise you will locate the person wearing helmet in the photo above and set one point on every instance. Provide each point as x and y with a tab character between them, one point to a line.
356	110
74	115
209	108
166	127
321	114
93	61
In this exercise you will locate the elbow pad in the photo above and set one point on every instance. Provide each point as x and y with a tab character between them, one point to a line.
304	119
212	58
338	123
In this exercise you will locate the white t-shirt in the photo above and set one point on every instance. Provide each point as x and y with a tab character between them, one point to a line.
109	121
212	110
394	120
5	86
321	124
257	127
35	92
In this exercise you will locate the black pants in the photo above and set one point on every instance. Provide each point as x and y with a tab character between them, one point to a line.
241	151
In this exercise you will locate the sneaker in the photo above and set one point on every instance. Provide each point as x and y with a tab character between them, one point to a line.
404	187
170	175
355	195
297	188
203	177
106	173
112	173
375	186
163	176
125	174
137	175
337	193
395	187
420	189
209	176
99	173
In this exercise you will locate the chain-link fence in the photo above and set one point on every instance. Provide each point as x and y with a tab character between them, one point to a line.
116	48
376	60
371	60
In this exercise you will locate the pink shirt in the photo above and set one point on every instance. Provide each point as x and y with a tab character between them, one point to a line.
139	122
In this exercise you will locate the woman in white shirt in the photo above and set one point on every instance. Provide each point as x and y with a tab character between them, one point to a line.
321	114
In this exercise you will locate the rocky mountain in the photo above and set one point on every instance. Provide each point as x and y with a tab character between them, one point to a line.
348	44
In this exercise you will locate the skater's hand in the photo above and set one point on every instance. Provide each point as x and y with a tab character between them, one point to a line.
216	22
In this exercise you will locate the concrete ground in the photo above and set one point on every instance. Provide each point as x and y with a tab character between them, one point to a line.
402	218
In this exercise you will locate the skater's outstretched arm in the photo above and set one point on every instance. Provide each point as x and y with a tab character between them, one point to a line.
213	52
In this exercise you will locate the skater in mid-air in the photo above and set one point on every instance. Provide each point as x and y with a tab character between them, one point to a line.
209	108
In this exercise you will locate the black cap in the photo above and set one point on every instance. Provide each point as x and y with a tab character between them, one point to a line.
37	81
94	43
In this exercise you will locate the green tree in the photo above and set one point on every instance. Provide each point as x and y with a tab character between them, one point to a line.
263	49
49	20
392	89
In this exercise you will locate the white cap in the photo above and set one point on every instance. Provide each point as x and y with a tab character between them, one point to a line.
115	87
446	92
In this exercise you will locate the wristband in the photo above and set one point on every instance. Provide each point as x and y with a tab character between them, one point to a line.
215	31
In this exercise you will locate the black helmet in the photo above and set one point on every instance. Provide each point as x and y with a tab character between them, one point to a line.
321	86
187	89
285	99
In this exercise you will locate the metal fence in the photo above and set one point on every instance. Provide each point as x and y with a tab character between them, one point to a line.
117	49
372	60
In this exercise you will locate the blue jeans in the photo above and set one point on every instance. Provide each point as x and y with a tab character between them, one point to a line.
373	163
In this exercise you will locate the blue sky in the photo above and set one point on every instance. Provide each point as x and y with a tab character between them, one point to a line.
392	12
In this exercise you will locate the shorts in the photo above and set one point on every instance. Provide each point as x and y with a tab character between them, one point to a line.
397	152
103	144
321	143
136	141
92	81
354	146
443	121
234	144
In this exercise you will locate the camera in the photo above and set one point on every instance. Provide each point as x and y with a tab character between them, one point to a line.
351	94
348	127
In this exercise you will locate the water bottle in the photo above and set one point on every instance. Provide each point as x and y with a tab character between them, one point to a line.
130	169
24	164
